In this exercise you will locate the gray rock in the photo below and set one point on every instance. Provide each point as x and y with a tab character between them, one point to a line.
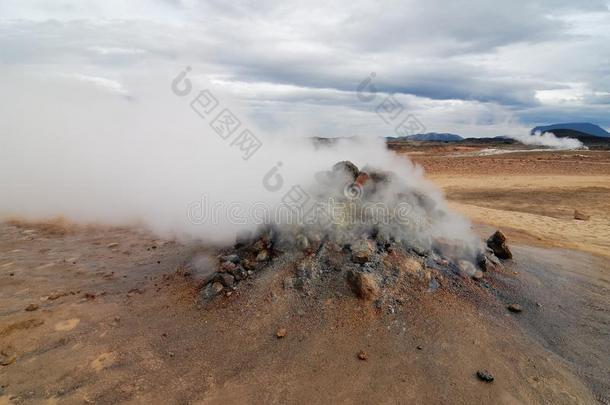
232	258
239	273
485	375
225	279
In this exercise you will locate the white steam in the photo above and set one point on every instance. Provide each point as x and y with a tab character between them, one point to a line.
548	139
143	156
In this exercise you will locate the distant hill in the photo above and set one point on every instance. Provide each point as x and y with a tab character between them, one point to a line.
430	137
573	129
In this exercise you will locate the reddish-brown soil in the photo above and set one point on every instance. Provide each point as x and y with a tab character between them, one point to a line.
119	324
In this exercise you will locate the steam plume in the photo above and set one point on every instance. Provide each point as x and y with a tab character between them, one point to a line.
548	139
144	156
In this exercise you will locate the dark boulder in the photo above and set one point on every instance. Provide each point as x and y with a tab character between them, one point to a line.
497	243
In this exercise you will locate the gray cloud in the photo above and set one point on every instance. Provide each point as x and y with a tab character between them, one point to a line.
465	65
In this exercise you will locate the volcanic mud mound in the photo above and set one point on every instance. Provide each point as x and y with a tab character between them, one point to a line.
381	241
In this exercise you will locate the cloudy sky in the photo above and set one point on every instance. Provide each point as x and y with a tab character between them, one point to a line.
476	67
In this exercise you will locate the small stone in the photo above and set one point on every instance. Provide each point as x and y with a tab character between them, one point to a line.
56	295
247	264
467	269
228	266
281	332
262	256
364	285
302	242
232	258
485	375
259	245
419	348
362	355
581	216
225	279
477	275
112	245
32	307
7	359
362	251
515	308
217	287
239	273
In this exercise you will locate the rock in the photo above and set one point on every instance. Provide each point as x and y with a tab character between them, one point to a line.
32	307
466	268
259	245
515	308
228	267
364	285
362	251
497	243
362	355
302	242
112	245
239	273
346	168
281	332
262	256
56	295
225	279
580	216
485	375
7	359
487	261
232	258
248	265
211	290
478	274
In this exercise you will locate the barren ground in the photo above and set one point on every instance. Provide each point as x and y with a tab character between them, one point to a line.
118	324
